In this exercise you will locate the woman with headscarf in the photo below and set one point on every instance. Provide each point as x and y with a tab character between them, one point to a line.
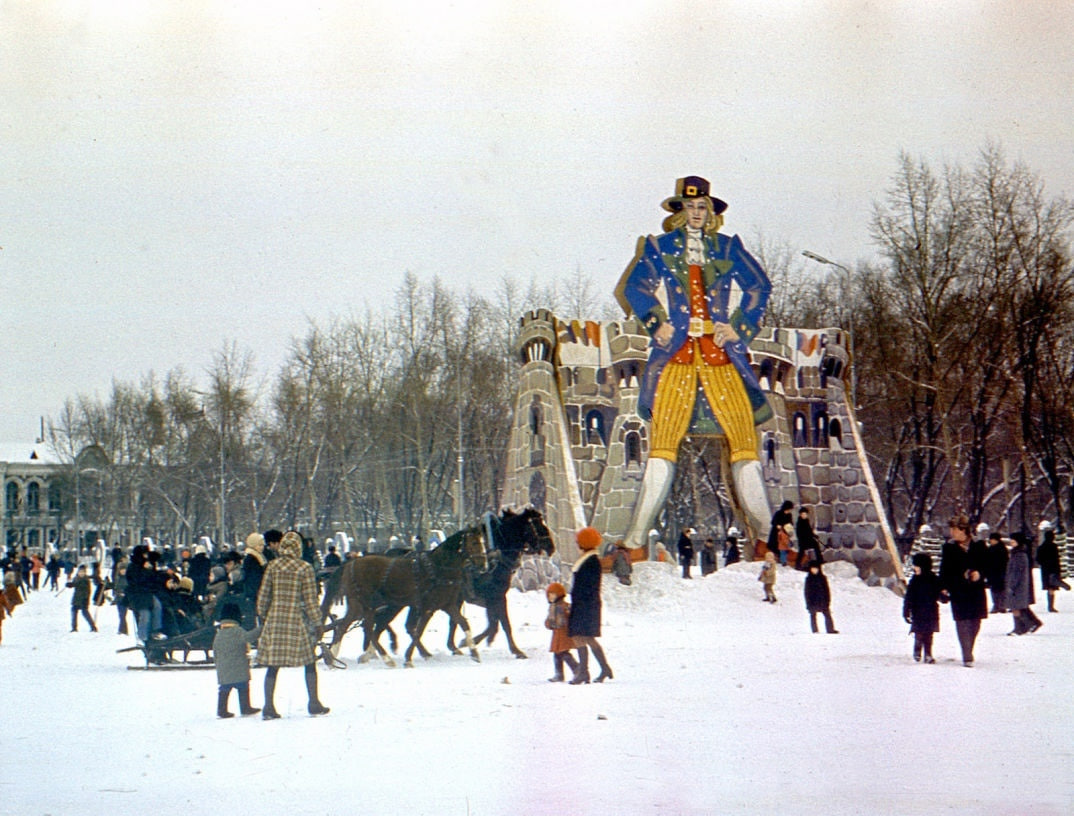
287	603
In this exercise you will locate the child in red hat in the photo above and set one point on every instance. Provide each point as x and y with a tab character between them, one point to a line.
559	612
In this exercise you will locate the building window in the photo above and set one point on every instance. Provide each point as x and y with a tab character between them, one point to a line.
33	497
11	498
835	434
800	430
820	428
594	428
633	450
538	492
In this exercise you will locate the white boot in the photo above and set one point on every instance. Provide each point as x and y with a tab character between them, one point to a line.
752	496
655	485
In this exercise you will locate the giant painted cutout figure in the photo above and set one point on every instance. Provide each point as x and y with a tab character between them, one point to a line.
698	379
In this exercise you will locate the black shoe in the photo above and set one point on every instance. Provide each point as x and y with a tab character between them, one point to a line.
930	659
224	715
579	679
315	709
558	678
605	674
1035	627
269	714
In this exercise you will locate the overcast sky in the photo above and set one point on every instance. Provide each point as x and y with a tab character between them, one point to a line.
179	175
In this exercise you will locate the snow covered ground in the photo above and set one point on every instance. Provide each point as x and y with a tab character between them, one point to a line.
721	704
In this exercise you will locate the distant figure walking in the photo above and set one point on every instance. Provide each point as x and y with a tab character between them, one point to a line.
80	599
1051	571
768	577
921	606
1019	583
963	563
686	551
818	598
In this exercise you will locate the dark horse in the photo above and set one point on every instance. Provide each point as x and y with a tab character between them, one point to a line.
377	587
511	536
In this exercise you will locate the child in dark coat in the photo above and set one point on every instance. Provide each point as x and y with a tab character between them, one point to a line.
80	599
231	654
818	598
559	613
921	607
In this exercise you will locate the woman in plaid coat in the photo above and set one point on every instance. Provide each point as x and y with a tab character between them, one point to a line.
287	603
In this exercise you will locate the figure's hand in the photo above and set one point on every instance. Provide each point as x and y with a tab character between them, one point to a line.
722	333
664	334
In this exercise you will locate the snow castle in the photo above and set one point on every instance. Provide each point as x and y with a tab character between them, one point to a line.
578	447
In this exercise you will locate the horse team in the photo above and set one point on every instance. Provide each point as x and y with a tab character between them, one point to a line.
475	566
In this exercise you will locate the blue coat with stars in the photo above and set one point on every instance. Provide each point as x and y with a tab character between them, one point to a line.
660	264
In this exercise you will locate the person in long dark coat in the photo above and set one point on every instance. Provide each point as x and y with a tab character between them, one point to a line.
287	603
731	553
1051	576
1019	583
997	571
685	548
780	519
963	564
198	571
921	606
818	598
584	623
808	543
708	557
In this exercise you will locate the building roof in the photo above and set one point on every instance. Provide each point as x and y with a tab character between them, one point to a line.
27	453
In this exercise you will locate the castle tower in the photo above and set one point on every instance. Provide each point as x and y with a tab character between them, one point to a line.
540	469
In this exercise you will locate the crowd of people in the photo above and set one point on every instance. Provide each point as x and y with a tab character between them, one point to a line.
267	594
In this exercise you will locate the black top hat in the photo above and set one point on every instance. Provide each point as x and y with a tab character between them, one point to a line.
692	187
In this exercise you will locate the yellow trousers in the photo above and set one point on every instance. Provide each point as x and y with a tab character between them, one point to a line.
673	407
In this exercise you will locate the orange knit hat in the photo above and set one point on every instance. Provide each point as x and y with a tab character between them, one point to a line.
588	538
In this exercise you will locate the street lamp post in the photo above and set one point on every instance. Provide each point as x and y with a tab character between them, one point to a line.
850	324
78	506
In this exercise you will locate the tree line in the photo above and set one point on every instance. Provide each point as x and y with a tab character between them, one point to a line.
397	422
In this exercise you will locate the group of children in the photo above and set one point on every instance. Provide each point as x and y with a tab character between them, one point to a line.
818	595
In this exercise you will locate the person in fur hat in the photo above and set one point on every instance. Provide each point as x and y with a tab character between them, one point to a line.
287	603
584	621
921	606
231	653
559	612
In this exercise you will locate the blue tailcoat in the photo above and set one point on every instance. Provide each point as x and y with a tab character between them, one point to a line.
662	261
